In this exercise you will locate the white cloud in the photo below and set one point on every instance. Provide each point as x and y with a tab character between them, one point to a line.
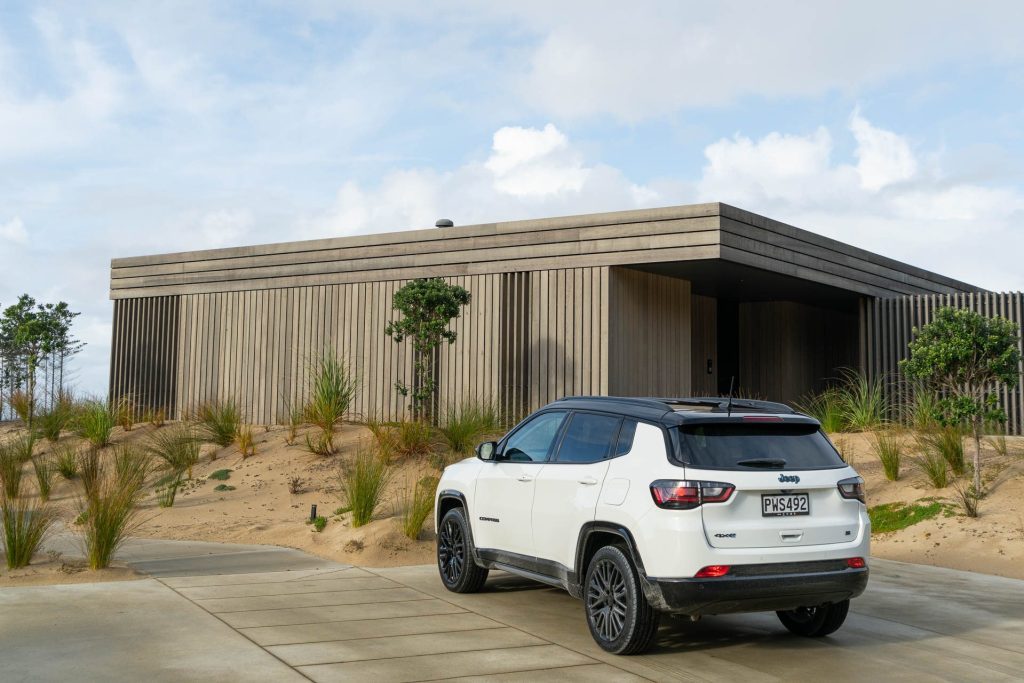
883	157
14	231
529	162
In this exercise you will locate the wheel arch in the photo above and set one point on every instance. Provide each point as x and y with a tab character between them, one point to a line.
447	500
592	537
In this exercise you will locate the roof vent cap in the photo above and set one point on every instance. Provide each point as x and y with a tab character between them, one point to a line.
444	223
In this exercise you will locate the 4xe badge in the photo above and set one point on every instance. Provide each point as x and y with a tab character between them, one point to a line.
789	479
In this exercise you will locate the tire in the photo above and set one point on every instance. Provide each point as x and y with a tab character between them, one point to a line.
621	620
815	622
459	573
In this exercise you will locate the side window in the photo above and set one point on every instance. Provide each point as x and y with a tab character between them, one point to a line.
626	434
588	438
532	442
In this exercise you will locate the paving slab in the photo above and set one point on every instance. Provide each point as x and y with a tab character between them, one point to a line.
325	599
368	628
442	666
313	615
585	673
306	585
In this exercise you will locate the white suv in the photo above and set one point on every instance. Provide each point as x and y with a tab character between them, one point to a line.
642	506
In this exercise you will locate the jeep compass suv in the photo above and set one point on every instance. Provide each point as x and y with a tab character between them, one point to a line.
642	506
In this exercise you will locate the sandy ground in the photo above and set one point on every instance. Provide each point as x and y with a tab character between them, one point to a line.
992	543
261	509
48	570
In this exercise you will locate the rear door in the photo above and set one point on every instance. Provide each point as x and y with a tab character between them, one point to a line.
568	487
785	478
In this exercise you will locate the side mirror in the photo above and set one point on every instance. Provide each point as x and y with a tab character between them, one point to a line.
486	450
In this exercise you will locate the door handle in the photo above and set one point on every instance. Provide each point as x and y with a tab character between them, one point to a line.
524	478
588	481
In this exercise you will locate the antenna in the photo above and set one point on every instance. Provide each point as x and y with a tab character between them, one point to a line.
728	407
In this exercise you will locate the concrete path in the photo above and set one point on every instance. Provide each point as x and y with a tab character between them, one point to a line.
223	612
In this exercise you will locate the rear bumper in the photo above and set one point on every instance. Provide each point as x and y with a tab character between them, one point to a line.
754	592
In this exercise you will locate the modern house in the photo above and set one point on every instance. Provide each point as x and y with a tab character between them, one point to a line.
662	302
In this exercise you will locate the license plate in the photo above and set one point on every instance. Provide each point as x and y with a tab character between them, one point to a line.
785	504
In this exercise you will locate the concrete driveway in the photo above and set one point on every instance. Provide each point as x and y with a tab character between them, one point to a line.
223	612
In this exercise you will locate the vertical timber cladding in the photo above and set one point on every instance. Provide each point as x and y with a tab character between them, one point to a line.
887	328
649	335
704	335
526	339
143	364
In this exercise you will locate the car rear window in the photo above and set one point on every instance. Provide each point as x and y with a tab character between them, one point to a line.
752	447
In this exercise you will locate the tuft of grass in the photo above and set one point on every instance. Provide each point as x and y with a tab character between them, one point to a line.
968	496
223	487
11	461
362	480
332	390
246	441
108	517
321	444
26	523
923	409
319	523
45	471
342	510
465	424
888	446
296	484
219	421
23	405
94	421
947	443
417	504
177	449
156	417
131	466
60	417
415	438
861	401
997	438
220	475
896	516
125	411
90	471
295	416
845	448
935	468
826	408
65	457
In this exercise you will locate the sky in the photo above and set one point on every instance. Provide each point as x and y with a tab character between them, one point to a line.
131	128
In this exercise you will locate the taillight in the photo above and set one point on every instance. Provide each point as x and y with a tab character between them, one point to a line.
856	562
852	488
686	495
713	571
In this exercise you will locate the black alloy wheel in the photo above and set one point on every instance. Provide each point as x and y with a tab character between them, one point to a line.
459	573
619	616
606	599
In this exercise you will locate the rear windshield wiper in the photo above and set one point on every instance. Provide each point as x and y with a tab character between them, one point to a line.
768	463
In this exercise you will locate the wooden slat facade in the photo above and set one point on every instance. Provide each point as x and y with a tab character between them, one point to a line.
886	328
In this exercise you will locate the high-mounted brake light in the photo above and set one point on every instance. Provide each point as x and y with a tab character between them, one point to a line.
762	418
686	495
856	563
713	571
852	488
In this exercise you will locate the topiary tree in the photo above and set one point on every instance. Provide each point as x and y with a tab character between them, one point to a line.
427	306
964	357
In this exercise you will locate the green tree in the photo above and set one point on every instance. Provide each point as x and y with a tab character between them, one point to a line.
964	357
427	308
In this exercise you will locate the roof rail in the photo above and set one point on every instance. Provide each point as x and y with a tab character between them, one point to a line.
719	403
645	402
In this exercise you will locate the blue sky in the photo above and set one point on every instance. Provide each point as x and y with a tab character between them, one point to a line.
130	128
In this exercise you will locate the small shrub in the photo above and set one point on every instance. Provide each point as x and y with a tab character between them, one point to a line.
246	441
220	475
465	424
861	401
65	457
332	390
223	487
888	447
827	409
968	497
948	443
319	523
362	481
26	524
896	516
417	506
296	484
935	468
94	422
219	421
415	438
44	476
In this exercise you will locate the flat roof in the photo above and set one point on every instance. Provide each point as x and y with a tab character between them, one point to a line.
680	240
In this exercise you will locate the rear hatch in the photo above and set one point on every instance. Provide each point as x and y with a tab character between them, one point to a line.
785	476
